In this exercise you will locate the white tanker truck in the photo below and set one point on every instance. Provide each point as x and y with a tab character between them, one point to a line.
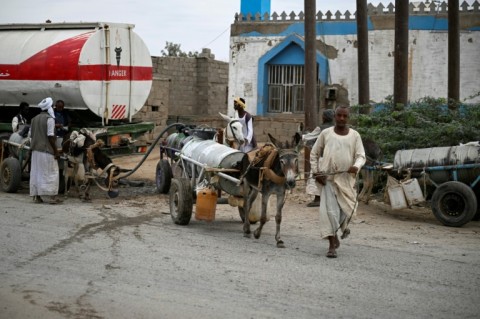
102	71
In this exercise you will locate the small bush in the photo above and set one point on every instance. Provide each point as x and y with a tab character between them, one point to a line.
425	123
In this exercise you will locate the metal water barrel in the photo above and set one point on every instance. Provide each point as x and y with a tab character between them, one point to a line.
18	139
175	141
216	155
418	159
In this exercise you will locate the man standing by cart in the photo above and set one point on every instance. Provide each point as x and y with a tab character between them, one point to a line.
341	152
247	123
44	174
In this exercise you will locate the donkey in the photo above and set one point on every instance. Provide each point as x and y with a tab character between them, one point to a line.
274	174
232	134
83	158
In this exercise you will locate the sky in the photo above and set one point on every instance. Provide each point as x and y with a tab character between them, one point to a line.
193	24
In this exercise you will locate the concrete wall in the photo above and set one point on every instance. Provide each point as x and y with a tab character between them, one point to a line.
336	39
185	87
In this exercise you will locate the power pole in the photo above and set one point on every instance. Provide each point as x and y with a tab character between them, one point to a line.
400	70
310	106
453	55
363	72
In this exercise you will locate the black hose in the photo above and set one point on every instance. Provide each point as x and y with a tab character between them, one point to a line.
151	149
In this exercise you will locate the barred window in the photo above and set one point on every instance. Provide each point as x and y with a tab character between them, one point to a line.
286	88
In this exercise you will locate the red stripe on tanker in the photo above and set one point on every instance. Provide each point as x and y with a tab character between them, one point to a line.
60	62
91	66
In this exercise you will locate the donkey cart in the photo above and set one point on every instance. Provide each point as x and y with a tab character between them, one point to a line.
198	168
201	168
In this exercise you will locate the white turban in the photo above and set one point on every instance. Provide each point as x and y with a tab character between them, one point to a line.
46	105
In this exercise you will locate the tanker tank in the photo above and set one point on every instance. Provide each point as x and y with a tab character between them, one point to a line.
102	71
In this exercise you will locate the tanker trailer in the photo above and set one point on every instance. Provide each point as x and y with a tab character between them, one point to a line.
102	71
450	175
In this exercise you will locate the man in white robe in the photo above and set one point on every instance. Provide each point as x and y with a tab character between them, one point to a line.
247	125
335	160
44	173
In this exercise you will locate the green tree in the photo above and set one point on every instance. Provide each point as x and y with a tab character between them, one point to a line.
174	49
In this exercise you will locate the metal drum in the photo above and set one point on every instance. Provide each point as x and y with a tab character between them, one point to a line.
418	159
18	139
174	142
215	155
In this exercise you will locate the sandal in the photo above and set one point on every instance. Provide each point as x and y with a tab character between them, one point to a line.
53	200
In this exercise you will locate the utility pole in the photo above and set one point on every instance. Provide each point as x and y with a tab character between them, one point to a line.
453	55
363	72
310	106
400	70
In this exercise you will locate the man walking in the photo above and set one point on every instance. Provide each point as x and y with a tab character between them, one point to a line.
342	155
44	174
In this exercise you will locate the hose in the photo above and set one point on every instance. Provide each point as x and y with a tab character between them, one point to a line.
150	149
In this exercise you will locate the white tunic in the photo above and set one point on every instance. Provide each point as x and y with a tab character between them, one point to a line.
247	130
340	152
44	174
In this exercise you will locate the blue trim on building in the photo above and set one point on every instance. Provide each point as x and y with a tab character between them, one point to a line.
291	51
350	27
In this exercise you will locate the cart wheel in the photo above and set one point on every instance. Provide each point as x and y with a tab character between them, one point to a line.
181	201
163	176
454	204
11	175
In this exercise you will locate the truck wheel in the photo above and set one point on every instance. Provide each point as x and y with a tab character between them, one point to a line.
163	176
181	201
11	175
454	204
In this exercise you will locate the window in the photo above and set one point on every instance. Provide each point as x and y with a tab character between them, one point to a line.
286	88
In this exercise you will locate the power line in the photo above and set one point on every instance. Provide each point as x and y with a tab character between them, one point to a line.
216	37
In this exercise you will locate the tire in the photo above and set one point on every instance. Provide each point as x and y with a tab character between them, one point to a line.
454	204
181	201
11	175
163	176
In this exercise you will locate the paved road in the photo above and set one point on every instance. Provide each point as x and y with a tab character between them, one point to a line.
125	258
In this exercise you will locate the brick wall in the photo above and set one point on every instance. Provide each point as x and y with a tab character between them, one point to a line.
185	87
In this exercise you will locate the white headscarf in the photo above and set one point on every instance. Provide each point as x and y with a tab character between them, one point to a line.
46	104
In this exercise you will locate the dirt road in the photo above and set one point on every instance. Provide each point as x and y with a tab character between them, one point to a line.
124	258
